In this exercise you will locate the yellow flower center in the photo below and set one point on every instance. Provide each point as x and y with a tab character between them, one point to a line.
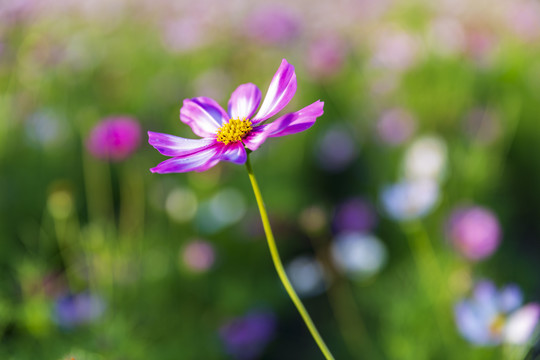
497	325
233	131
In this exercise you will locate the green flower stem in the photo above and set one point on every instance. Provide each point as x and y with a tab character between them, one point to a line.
279	266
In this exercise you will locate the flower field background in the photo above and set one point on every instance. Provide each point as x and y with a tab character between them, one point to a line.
406	216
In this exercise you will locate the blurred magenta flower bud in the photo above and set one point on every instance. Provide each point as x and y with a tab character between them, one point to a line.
114	138
474	231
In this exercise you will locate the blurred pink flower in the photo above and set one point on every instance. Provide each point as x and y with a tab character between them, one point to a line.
326	55
523	18
198	256
114	138
474	232
395	126
273	25
481	43
395	50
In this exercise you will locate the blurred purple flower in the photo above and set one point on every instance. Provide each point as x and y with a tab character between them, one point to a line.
490	317
355	214
336	149
224	134
273	25
77	309
114	138
326	55
246	337
395	126
474	231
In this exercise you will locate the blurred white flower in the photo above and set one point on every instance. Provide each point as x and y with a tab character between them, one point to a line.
409	200
358	254
307	275
425	159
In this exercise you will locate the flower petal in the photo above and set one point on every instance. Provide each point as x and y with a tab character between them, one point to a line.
521	324
171	145
280	92
199	161
510	298
203	115
256	137
234	152
296	122
471	324
244	101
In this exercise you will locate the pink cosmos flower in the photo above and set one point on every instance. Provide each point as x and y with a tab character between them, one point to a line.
474	231
226	135
114	138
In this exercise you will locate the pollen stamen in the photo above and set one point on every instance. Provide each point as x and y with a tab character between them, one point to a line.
233	131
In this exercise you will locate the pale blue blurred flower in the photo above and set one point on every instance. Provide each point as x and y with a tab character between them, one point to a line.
409	200
358	254
491	317
307	276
